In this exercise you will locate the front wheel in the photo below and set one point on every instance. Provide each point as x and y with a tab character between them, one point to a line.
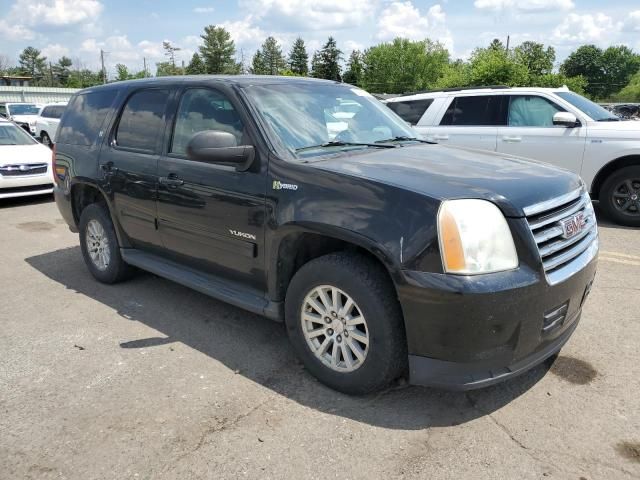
44	137
345	323
620	196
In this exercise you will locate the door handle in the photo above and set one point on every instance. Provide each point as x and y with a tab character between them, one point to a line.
441	137
108	168
509	139
171	181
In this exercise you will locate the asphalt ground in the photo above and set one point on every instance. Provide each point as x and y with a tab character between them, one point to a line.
150	380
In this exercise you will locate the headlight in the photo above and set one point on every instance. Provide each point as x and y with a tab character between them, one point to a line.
474	238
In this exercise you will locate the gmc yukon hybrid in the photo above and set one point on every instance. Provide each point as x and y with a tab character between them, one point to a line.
308	201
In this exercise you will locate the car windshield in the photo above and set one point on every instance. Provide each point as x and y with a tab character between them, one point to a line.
13	135
23	109
594	110
310	119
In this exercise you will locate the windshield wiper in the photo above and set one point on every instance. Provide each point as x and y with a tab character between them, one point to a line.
404	138
343	144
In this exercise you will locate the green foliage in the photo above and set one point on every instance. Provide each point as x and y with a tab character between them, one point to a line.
196	66
491	66
403	66
32	63
84	78
555	80
218	51
534	56
299	58
167	69
326	62
269	60
355	69
62	70
630	93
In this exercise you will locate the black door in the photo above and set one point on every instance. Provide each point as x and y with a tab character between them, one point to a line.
210	215
130	164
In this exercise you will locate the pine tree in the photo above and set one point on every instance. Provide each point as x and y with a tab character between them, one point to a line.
257	64
196	66
355	69
218	51
272	57
62	70
298	58
32	63
327	61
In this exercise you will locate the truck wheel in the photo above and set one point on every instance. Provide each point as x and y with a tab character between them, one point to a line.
345	323
620	196
44	138
99	245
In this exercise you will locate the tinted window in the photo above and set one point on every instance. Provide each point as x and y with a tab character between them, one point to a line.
531	111
411	111
53	111
142	120
3	110
45	112
477	111
84	117
203	109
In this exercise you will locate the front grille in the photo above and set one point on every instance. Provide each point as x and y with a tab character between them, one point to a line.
558	246
21	170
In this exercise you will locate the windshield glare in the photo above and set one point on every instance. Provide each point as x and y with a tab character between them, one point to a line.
12	135
303	115
23	109
594	110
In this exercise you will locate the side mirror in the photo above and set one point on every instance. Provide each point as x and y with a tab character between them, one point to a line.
565	119
218	147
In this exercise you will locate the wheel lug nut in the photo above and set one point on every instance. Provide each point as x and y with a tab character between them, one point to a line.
339	338
346	333
330	331
334	314
327	319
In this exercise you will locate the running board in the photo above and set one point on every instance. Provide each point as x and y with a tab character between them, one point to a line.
227	291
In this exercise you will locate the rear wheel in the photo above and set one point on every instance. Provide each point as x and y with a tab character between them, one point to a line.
620	196
345	323
99	245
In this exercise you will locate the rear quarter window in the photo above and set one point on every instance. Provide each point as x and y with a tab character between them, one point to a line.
411	111
84	116
482	110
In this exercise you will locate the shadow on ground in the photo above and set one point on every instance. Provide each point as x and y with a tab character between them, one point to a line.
24	201
259	350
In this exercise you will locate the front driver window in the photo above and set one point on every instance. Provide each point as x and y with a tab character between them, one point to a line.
204	109
531	111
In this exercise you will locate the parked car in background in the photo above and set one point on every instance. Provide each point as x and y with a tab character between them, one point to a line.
48	121
552	125
626	111
23	114
383	254
25	164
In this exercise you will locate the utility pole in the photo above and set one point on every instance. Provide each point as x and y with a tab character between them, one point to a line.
144	60
51	74
104	72
507	43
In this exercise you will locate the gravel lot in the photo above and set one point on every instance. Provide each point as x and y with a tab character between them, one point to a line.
148	379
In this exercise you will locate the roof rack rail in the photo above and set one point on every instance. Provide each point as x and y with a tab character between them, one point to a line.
456	89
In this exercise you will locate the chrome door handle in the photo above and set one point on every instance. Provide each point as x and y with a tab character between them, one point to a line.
441	137
511	139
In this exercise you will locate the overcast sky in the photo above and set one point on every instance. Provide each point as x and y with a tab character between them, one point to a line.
133	29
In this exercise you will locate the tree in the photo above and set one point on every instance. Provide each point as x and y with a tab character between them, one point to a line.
167	69
62	69
218	51
630	93
537	59
122	72
403	66
586	61
497	45
491	66
272	57
32	63
257	64
298	58
619	64
170	52
327	61
355	68
196	66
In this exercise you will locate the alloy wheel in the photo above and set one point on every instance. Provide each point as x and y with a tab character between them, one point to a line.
98	245
626	197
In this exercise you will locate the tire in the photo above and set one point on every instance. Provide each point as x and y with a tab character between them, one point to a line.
44	138
383	358
620	187
96	228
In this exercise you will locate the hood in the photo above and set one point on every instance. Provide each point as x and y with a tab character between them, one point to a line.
18	154
445	172
622	126
24	118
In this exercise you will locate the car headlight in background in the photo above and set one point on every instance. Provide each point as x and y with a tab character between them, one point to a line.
474	238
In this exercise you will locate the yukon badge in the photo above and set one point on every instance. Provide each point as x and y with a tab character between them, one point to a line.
237	233
278	185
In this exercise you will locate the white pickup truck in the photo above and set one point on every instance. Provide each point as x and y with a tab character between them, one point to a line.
552	125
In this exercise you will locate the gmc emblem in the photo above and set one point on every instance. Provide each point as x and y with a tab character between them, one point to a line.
572	226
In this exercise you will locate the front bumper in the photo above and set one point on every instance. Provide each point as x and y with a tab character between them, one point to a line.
21	186
466	332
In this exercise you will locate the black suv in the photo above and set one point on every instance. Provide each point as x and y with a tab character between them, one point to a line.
310	202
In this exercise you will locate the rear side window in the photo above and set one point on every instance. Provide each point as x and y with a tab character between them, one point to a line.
45	112
84	117
411	111
54	111
482	110
142	120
